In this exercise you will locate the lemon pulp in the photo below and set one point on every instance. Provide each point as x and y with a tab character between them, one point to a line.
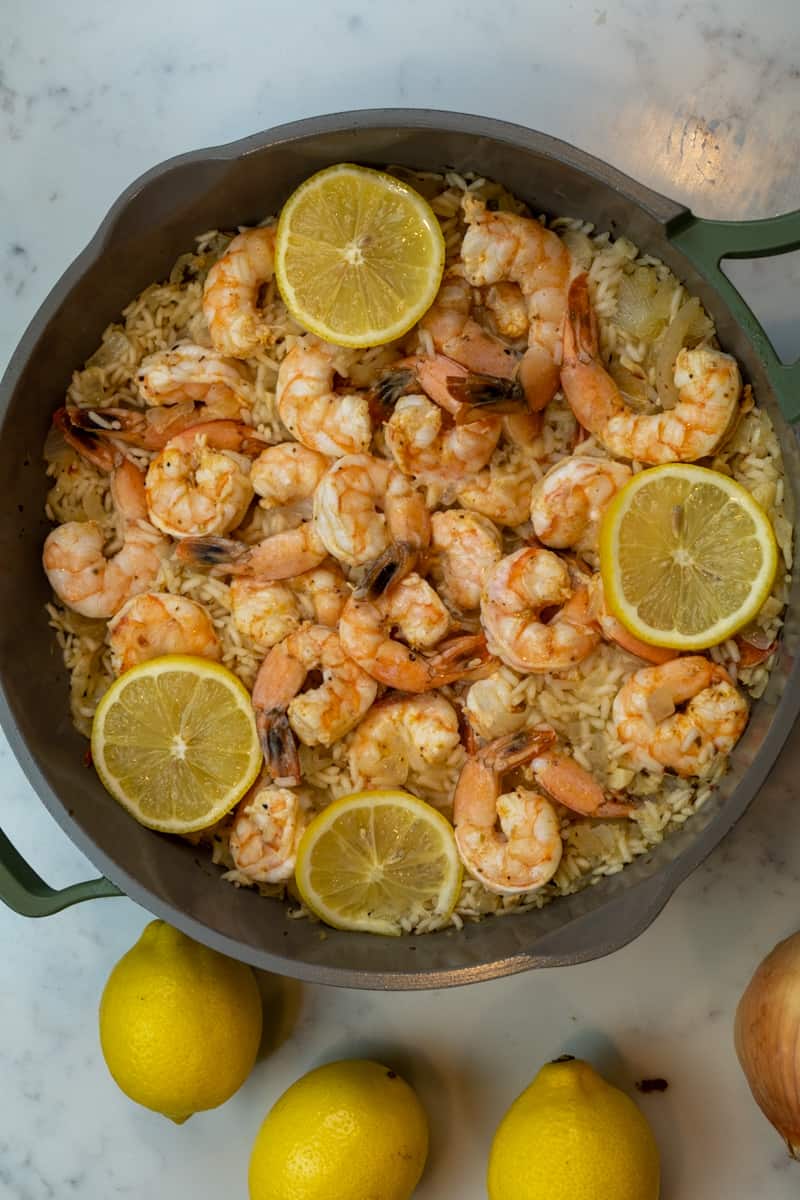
687	556
174	741
380	861
358	255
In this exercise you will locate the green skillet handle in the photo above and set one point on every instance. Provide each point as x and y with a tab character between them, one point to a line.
707	242
28	894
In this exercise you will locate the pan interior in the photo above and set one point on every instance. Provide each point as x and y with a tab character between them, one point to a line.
154	222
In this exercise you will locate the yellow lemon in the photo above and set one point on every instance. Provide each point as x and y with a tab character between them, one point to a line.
174	741
180	1024
687	556
572	1136
358	255
346	1131
381	862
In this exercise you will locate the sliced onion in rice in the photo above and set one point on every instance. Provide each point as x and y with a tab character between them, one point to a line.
690	325
56	449
115	348
632	385
671	342
643	302
88	387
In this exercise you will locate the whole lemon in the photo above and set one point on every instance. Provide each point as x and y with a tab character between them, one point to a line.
572	1136
346	1131
180	1024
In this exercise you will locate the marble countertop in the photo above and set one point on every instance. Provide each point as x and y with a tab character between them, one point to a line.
698	99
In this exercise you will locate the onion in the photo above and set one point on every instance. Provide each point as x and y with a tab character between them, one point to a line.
767	1038
671	342
634	386
643	303
56	449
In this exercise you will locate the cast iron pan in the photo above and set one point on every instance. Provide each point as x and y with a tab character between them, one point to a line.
154	220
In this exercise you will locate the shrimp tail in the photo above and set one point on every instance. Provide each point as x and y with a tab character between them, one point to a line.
210	551
466	730
581	338
614	808
392	385
479	394
515	749
388	569
279	746
85	438
571	785
463	657
751	655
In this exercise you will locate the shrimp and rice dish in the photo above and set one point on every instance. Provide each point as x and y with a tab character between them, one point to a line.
396	549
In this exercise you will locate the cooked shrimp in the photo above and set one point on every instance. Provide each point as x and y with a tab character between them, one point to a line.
284	476
614	631
524	854
571	785
521	429
466	395
200	482
320	716
515	594
502	490
506	305
190	372
366	511
269	612
402	736
98	434
231	293
287	475
493	707
750	654
279	556
267	828
80	574
330	422
687	742
417	612
708	383
568	502
424	446
456	334
156	623
465	546
79	430
505	247
366	626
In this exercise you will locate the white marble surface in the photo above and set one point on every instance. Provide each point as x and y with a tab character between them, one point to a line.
701	100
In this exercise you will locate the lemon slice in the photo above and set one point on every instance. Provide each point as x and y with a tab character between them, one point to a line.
358	256
687	556
174	740
381	862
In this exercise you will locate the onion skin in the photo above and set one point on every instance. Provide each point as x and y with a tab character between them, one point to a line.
767	1039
